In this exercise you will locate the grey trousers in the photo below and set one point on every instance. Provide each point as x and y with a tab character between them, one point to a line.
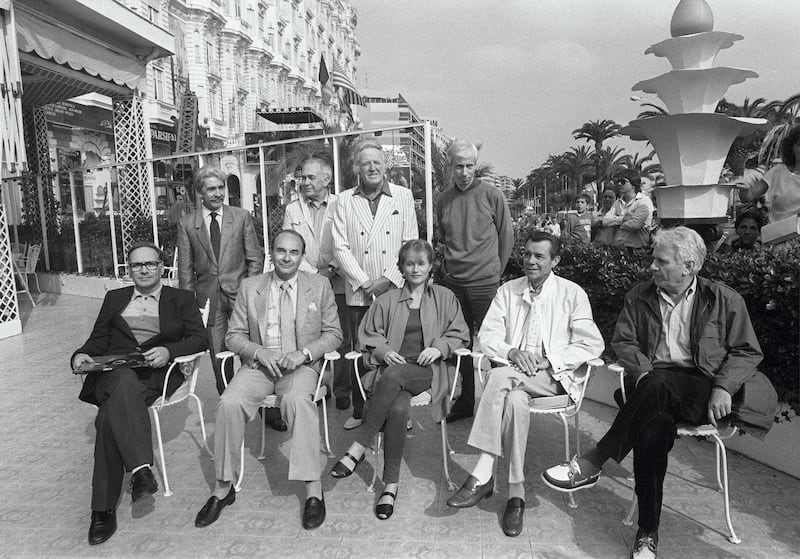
503	418
239	404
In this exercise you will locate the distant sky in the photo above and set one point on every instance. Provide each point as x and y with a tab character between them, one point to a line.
520	75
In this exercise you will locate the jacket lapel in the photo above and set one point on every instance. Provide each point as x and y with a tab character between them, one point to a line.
385	209
362	211
261	310
202	234
120	304
226	234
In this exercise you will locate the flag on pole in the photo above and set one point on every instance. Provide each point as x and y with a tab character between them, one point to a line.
325	81
348	93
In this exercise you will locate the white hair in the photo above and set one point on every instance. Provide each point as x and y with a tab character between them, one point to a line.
686	244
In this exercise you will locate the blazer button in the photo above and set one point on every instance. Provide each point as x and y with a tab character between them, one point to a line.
384	252
362	233
388	233
366	252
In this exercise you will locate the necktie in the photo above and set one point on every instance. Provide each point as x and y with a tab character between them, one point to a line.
288	341
215	236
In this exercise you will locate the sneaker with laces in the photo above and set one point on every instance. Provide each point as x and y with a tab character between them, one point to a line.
568	477
645	546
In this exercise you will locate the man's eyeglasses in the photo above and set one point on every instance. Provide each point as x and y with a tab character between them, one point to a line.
137	266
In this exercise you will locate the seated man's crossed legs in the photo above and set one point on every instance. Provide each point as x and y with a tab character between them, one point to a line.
500	428
237	406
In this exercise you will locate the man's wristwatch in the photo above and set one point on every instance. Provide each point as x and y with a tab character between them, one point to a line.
307	353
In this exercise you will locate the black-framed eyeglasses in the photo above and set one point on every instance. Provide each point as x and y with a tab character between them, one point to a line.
620	182
150	265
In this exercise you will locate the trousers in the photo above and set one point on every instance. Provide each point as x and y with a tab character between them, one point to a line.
239	404
647	424
388	409
503	418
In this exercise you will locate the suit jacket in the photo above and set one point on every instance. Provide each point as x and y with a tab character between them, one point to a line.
316	318
240	253
367	246
570	339
319	244
181	332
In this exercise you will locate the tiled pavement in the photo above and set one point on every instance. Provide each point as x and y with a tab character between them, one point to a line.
46	460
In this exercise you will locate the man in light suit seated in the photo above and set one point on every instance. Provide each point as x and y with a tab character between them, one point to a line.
542	324
283	323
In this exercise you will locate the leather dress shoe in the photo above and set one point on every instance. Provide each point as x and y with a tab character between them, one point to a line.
143	483
342	402
277	423
313	513
210	511
512	517
458	413
471	493
102	526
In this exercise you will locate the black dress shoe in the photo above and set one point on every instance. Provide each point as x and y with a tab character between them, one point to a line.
102	526
342	402
458	413
277	423
512	517
143	483
210	511
471	493
314	513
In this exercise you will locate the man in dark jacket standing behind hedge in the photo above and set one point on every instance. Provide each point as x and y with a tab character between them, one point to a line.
477	233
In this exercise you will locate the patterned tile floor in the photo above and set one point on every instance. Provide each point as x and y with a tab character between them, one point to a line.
47	438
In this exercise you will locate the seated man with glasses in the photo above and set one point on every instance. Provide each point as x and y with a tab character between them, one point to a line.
160	323
632	213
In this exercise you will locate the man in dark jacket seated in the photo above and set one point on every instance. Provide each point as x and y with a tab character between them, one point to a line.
159	323
688	344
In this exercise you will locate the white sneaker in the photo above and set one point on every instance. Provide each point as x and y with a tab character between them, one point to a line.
352	423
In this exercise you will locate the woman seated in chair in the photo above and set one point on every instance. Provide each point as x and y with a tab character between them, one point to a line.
406	336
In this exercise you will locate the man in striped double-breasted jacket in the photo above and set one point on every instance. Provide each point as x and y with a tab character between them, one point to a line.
371	223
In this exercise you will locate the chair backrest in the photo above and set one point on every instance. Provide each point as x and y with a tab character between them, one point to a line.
32	257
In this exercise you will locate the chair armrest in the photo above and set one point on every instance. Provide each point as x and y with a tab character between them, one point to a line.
353	356
188	358
620	370
330	357
224	356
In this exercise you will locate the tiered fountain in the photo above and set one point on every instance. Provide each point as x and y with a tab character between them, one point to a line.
692	141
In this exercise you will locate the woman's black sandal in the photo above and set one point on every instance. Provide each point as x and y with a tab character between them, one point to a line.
384	511
340	470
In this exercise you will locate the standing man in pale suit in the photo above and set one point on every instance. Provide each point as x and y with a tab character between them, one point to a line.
282	325
371	223
217	247
311	215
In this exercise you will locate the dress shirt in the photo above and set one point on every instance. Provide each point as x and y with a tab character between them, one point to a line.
207	219
273	309
674	346
374	200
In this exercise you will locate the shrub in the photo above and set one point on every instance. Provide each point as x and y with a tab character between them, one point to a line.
766	279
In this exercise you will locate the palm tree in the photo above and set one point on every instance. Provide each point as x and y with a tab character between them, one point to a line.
654	110
783	115
744	147
597	131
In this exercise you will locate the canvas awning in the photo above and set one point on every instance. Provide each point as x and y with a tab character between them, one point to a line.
71	47
291	115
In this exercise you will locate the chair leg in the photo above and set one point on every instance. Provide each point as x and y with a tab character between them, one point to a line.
167	490
376	452
35	277
325	425
263	455
202	423
628	520
445	452
733	538
570	496
238	485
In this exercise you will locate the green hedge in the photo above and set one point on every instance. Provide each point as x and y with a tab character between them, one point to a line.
767	280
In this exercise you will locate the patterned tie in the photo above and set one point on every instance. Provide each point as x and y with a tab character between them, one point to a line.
288	341
215	237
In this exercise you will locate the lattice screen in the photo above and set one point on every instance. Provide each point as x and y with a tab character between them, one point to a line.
10	323
131	139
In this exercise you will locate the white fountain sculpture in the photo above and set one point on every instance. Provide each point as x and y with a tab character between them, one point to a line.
692	141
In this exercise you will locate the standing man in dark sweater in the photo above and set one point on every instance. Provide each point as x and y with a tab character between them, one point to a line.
477	233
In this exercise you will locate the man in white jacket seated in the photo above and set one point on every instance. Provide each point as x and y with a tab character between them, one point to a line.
542	325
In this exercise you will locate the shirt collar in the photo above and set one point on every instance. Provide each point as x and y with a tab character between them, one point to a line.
316	205
207	212
383	190
405	294
687	295
278	281
525	287
155	294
